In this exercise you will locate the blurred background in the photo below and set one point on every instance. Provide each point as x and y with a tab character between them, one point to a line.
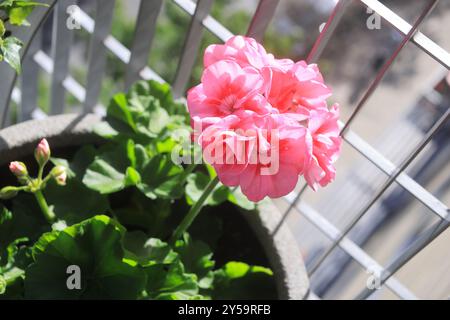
410	99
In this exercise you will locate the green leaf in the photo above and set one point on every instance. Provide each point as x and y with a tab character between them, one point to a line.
238	198
239	281
5	214
103	177
2	285
148	251
161	178
95	246
107	174
2	28
197	258
118	109
173	284
196	184
132	177
82	159
18	15
74	209
19	10
142	213
162	92
26	221
10	48
144	114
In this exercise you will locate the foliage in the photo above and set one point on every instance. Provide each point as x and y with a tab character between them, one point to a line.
121	201
13	13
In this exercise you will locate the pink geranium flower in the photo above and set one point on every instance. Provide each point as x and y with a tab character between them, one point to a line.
263	154
262	122
324	129
226	87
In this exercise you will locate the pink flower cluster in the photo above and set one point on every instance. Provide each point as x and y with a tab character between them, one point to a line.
250	104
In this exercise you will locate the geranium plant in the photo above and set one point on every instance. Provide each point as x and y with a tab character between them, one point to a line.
13	13
126	212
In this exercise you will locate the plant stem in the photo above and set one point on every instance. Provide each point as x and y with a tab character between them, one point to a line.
194	211
40	173
187	171
48	213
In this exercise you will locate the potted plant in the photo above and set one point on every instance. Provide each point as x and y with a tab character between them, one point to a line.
120	202
125	207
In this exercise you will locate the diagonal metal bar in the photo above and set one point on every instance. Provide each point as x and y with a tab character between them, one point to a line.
374	85
315	53
191	46
351	248
424	240
403	179
261	19
438	125
419	39
143	38
328	30
208	22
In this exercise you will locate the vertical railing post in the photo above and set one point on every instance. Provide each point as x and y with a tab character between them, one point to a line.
143	37
97	52
62	39
30	79
191	46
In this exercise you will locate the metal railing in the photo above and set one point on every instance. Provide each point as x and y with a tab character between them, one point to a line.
136	58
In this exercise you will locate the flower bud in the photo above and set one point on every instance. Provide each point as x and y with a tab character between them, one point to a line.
19	169
42	152
8	193
59	173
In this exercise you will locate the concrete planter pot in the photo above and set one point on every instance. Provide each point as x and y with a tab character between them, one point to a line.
70	130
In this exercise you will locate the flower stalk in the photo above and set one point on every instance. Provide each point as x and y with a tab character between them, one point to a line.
36	185
194	211
46	210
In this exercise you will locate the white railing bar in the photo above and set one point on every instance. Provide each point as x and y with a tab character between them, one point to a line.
410	252
115	46
403	179
352	249
69	83
208	22
422	41
389	62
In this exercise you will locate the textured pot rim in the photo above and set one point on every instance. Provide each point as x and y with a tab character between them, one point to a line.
69	130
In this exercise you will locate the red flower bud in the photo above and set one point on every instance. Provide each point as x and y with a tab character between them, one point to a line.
59	173
42	152
18	169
